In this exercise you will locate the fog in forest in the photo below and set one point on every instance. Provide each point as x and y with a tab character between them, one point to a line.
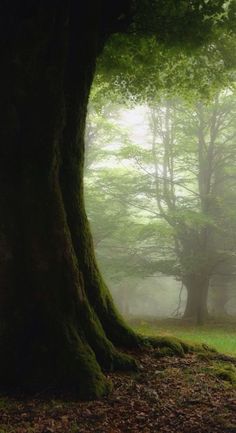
161	200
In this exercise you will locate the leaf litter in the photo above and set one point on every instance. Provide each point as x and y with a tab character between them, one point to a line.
167	395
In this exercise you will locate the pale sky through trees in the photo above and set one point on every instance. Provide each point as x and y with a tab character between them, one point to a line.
136	122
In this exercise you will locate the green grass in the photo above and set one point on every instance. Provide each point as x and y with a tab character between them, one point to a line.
221	336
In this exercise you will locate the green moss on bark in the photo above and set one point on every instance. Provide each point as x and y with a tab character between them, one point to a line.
107	355
61	359
168	345
58	320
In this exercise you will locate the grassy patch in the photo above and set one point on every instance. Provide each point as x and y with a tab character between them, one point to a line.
220	336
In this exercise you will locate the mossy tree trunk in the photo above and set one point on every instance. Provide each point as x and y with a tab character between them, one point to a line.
58	322
197	292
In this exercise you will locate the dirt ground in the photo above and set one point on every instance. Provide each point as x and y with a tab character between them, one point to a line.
167	395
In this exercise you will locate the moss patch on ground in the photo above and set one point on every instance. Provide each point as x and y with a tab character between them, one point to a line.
172	346
223	371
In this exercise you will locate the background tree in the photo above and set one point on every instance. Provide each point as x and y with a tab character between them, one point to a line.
124	238
173	188
180	172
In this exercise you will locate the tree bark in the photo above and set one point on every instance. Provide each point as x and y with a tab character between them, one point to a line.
197	293
219	295
58	322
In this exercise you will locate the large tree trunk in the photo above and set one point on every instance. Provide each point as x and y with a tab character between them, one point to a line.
58	322
219	295
197	292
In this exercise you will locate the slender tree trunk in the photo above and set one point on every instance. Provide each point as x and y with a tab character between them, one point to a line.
197	293
58	322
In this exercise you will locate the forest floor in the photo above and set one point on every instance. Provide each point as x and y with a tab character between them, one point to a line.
220	333
190	394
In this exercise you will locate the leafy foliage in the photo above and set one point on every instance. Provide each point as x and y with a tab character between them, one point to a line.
184	48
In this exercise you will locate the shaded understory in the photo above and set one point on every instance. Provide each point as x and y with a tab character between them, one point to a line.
168	394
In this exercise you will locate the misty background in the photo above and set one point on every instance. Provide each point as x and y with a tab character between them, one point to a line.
159	178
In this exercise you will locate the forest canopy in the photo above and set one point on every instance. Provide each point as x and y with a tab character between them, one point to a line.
185	49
